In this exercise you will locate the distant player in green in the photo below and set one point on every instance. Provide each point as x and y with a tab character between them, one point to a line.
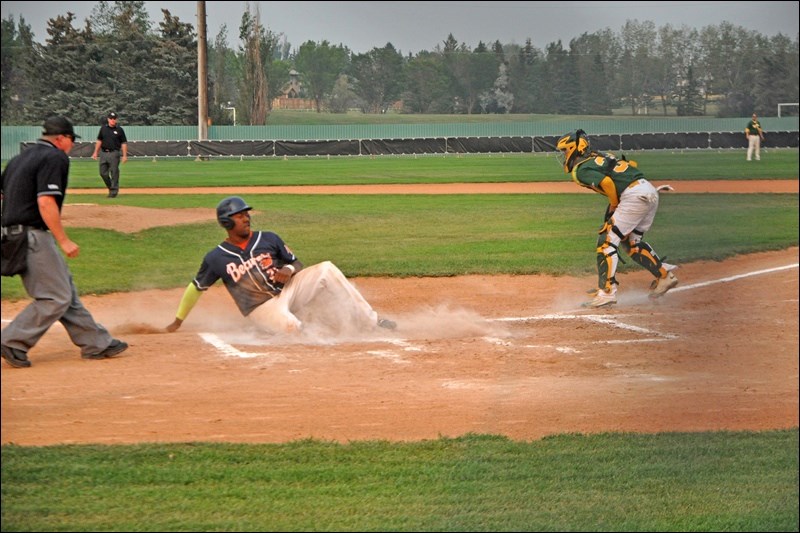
632	206
754	135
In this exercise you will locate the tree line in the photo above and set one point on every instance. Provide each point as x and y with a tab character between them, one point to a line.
120	60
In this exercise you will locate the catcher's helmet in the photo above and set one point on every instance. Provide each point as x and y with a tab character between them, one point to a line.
228	207
572	146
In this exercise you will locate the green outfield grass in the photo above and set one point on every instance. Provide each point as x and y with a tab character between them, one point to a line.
426	235
657	165
722	481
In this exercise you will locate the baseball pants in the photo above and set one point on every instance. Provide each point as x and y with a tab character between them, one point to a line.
109	170
753	147
48	282
319	293
637	209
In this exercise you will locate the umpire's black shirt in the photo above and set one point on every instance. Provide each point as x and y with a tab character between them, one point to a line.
41	170
111	139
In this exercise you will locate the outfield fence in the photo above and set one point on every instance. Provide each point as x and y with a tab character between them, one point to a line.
370	139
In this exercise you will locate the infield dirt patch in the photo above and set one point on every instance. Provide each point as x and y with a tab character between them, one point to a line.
511	355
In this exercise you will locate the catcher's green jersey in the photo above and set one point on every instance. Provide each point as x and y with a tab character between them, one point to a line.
604	174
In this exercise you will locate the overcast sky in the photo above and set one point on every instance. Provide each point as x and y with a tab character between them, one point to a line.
415	26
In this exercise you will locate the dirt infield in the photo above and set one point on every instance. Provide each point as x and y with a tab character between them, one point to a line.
551	187
511	355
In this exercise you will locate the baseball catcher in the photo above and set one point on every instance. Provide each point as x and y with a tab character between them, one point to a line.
632	206
270	285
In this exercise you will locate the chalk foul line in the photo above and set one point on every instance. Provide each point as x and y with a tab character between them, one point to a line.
733	278
655	336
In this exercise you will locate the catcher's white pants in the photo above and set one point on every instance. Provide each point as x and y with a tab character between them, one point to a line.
319	293
753	147
637	209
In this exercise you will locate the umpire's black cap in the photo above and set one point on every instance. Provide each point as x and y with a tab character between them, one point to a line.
58	125
112	115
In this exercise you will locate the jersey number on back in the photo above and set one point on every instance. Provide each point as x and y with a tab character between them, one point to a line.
619	168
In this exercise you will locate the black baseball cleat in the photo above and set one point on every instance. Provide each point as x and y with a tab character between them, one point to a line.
385	323
115	348
14	357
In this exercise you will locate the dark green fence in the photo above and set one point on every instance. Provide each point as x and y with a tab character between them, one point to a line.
13	136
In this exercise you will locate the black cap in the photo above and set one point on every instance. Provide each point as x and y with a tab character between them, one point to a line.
59	126
112	115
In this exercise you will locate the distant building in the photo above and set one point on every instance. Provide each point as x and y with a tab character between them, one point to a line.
292	95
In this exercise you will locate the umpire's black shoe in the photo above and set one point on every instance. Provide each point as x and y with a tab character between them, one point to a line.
15	357
115	348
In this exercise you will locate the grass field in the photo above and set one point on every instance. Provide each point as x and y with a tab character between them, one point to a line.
419	235
657	165
720	481
710	481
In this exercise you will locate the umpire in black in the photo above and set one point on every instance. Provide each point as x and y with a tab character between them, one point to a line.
111	147
34	185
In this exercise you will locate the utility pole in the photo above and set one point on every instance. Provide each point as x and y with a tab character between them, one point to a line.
202	74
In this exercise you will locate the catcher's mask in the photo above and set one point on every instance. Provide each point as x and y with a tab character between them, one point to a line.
570	147
229	207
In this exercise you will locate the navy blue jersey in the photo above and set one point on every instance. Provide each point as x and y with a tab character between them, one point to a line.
246	273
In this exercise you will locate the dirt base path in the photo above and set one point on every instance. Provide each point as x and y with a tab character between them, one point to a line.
511	355
711	186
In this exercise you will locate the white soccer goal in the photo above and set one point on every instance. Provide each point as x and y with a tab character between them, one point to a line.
791	112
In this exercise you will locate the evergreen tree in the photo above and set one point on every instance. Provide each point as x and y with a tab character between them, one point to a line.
691	102
61	74
524	78
172	76
19	58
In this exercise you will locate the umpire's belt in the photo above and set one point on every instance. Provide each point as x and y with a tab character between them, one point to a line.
16	229
109	150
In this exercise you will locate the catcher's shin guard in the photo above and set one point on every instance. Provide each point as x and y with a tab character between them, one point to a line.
643	253
607	258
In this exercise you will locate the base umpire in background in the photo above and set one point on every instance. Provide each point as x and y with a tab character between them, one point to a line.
112	147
